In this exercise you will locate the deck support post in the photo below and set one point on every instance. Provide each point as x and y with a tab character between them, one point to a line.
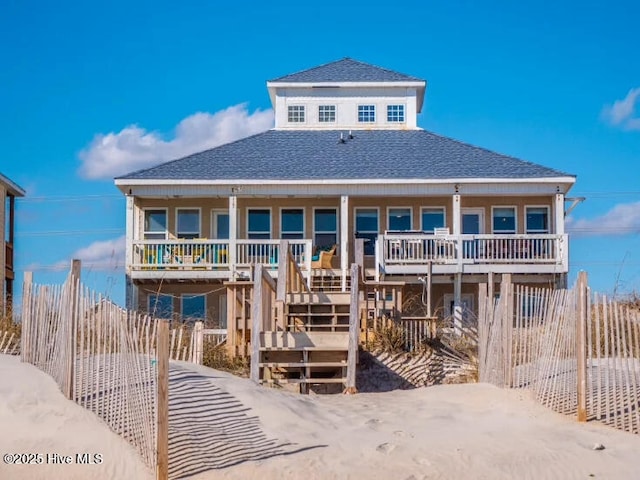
129	233
457	303
344	240
233	234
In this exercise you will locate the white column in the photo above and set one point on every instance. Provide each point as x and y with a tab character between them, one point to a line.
558	207
457	228
457	303
129	234
233	234
344	239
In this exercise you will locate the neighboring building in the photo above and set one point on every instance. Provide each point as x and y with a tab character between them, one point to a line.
345	160
8	193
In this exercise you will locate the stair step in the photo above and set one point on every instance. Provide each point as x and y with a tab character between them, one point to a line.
304	364
303	349
304	380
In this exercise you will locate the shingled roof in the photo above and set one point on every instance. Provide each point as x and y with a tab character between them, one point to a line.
346	70
319	155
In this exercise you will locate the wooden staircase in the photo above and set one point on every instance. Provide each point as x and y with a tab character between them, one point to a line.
304	358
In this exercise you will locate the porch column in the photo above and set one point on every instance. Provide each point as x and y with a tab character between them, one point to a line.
457	228
233	234
128	255
344	239
558	207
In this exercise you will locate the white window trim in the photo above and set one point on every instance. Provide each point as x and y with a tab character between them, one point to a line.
304	220
248	209
144	216
398	207
214	225
404	114
304	113
434	207
547	208
182	295
355	213
335	111
313	220
199	232
515	218
375	113
475	210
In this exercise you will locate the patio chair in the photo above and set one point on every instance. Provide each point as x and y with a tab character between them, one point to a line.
323	258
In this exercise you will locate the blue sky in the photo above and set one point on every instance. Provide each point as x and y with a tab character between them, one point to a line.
91	90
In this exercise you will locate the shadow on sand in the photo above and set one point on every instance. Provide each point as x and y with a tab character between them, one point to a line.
211	429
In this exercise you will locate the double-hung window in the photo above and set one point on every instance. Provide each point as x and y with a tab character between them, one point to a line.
295	114
193	307
160	306
504	219
326	113
366	113
188	223
367	227
395	113
155	224
259	223
325	227
537	219
292	223
399	219
432	218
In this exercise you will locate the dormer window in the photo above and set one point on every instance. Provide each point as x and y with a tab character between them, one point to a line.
296	114
395	113
366	113
326	113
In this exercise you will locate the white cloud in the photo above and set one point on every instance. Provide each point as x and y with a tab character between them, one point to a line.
623	112
134	148
622	219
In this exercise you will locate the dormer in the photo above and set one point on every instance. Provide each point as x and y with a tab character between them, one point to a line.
346	95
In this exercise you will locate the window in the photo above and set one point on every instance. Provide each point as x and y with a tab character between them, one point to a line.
399	219
395	113
296	114
220	225
259	224
188	223
325	227
366	113
367	228
327	113
155	224
291	223
504	220
537	219
160	306
432	218
193	307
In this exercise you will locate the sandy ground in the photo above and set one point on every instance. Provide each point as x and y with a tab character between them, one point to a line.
444	432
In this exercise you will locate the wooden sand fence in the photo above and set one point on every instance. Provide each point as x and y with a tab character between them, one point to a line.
9	343
111	361
578	353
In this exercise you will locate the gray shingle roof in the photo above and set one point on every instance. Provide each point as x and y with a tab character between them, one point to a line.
347	70
371	154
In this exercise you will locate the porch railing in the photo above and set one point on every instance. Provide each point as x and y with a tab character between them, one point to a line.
417	249
214	254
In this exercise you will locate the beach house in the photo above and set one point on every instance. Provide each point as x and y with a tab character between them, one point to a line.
346	175
9	191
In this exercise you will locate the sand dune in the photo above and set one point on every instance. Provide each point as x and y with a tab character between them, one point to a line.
443	432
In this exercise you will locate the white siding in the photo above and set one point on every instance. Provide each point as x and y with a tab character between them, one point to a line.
346	100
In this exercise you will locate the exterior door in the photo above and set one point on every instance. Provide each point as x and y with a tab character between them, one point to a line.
472	224
220	225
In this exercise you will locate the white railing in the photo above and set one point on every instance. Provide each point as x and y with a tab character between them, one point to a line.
418	249
198	253
214	254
